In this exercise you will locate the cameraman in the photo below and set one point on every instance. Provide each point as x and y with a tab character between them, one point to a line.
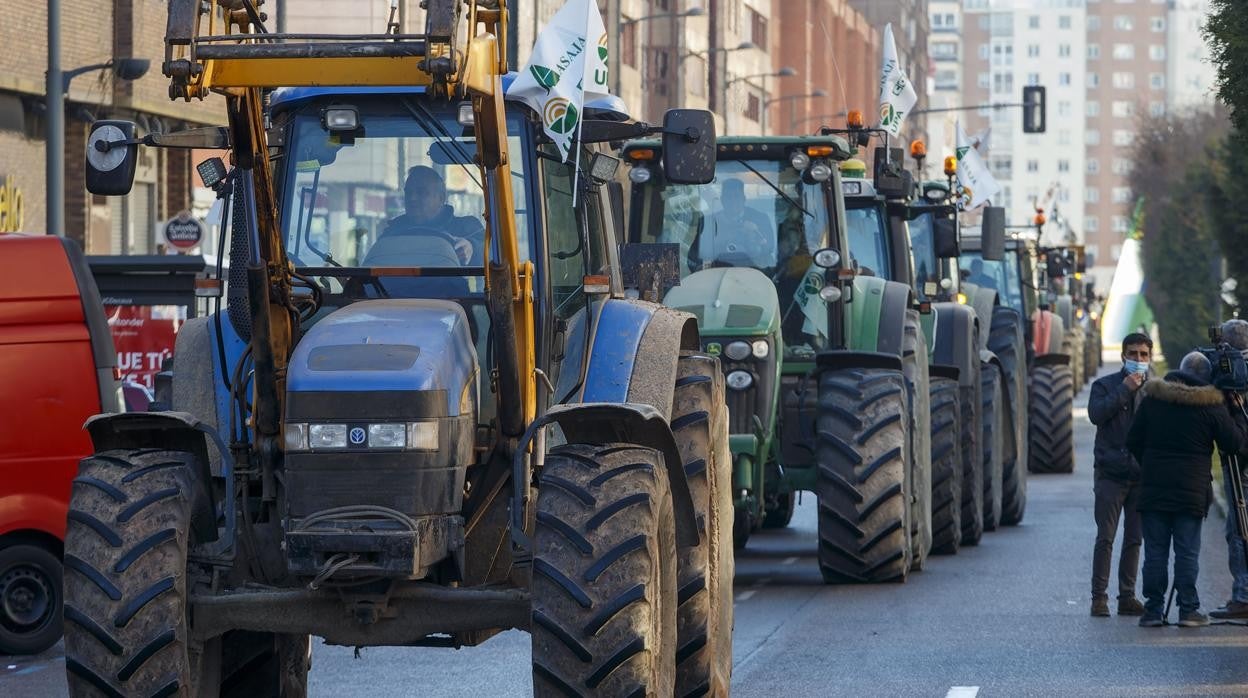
1111	407
1235	333
1175	429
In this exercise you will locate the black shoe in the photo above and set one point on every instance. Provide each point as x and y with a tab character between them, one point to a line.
1233	610
1100	607
1151	620
1193	619
1130	606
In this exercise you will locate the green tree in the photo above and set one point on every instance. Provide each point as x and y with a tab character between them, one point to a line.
1228	207
1227	35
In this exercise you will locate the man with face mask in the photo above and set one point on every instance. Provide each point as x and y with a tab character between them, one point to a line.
1235	333
1111	407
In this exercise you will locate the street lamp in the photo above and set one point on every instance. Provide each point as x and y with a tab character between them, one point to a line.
695	11
793	99
743	46
57	84
785	72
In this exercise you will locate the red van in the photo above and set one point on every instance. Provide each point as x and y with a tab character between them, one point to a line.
57	368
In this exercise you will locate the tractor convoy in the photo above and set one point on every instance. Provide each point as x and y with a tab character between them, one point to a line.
559	389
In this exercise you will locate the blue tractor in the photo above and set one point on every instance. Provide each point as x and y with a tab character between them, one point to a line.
426	412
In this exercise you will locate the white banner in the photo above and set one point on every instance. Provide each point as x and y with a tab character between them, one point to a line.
973	174
897	96
568	67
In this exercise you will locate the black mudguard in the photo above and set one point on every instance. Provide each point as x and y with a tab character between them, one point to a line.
956	340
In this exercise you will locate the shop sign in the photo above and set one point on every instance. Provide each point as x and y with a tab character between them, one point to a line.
11	206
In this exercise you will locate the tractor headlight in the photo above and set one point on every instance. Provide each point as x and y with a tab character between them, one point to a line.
387	435
760	348
327	436
820	171
422	436
639	175
799	160
830	294
337	119
737	351
739	380
827	258
296	437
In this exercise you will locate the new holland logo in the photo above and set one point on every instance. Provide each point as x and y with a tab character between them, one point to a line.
560	115
358	435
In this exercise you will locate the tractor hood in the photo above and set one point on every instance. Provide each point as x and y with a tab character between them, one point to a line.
728	301
388	345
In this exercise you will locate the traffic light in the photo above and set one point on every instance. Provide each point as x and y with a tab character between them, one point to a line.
1033	109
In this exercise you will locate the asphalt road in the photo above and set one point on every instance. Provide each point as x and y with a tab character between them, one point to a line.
1008	618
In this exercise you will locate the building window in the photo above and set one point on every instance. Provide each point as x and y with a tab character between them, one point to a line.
1093	80
947	79
1121	225
1115	250
1003	83
1033	50
753	107
1094	51
1033	22
1124	52
628	42
1063	79
945	50
1094	109
1123	138
1092	137
1091	224
1124	81
1063	108
1063	166
1157	24
983	52
1033	166
1157	81
1094	166
1122	195
1063	22
758	29
1092	195
1121	166
1063	136
1157	52
1123	23
1157	109
1123	109
1094	24
984	81
1033	78
1063	51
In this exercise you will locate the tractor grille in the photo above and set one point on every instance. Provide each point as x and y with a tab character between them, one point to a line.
756	400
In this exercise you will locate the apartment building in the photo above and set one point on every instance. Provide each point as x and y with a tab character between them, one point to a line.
911	30
944	83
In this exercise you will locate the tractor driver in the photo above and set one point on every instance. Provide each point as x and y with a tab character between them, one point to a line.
979	277
428	214
739	234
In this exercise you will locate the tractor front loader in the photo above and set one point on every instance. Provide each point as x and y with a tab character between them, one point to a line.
427	412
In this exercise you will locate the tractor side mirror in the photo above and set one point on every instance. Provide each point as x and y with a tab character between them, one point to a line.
992	234
945	238
112	156
689	146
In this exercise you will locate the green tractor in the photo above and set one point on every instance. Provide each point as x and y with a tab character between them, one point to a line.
961	328
824	355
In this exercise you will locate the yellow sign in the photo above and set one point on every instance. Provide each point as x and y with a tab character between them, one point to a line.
10	206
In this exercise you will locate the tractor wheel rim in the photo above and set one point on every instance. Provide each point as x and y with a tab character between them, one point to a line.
26	598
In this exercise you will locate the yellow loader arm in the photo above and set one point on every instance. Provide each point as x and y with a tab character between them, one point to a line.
221	46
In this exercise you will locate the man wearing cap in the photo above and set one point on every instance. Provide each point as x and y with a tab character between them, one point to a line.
1235	333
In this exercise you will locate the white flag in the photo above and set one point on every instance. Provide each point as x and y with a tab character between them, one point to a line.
973	174
568	66
897	95
813	307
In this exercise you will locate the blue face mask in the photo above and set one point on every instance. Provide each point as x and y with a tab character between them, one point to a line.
1135	366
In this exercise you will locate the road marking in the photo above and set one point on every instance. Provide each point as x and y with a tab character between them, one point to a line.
963	692
789	560
763	582
745	595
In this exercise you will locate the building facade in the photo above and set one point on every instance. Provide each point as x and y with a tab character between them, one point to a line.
92	33
911	30
944	86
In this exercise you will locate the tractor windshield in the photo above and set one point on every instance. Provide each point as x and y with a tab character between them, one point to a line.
399	191
1003	276
866	223
923	247
757	213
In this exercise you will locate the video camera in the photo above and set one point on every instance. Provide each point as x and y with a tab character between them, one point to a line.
1230	370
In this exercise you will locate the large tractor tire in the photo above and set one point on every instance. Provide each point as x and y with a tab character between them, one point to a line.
31	595
1052	421
126	625
972	428
918	382
1007	342
1091	352
995	427
604	574
782	515
704	572
862	481
1073	346
946	466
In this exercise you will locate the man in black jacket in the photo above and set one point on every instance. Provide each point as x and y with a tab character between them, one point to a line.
1172	438
1111	408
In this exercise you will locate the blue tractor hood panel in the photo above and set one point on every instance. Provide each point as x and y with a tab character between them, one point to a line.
382	345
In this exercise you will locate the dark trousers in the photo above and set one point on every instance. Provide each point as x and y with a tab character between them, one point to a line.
1161	528
1116	500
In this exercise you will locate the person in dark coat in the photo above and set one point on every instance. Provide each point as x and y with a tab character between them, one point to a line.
1172	438
1235	333
426	212
1111	407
